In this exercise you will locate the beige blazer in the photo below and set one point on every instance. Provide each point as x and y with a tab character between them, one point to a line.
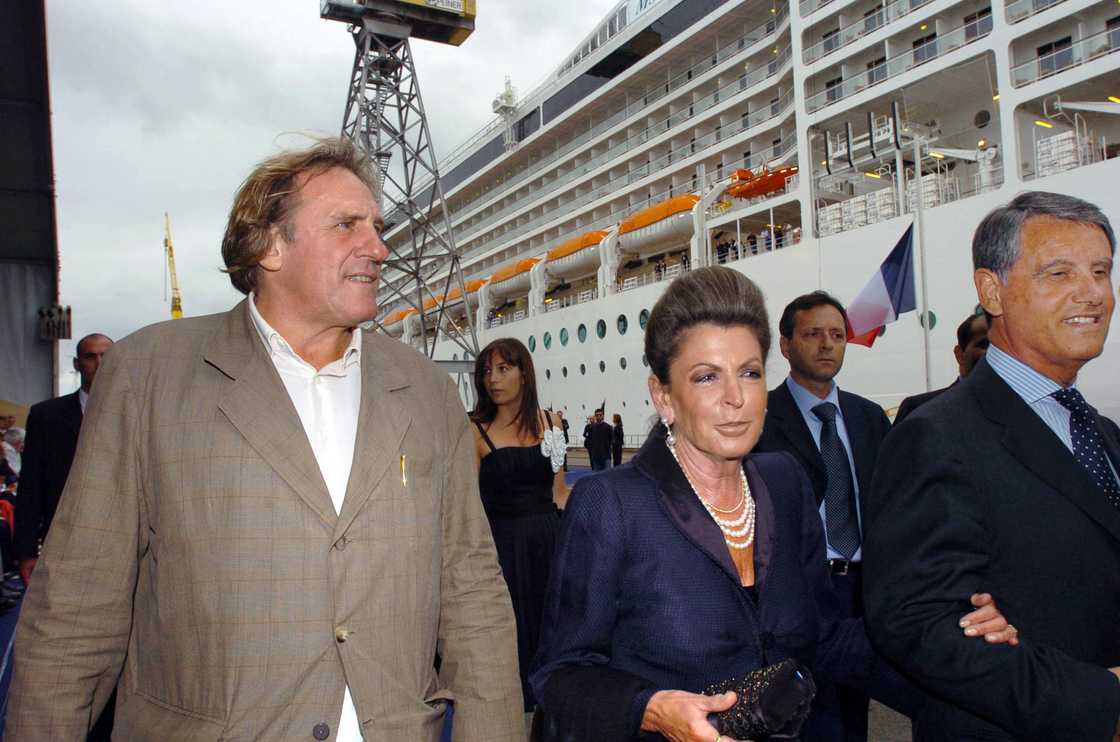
197	557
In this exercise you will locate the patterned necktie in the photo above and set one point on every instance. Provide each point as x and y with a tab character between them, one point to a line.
1088	446
839	500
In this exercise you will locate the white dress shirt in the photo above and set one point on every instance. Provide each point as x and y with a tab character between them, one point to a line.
327	401
83	399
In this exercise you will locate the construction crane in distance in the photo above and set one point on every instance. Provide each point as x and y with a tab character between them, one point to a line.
176	296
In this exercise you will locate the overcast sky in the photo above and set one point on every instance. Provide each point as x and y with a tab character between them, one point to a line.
166	106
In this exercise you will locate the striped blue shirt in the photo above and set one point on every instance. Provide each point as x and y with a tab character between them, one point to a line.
1035	389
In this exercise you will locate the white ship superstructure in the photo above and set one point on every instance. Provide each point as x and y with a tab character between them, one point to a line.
793	142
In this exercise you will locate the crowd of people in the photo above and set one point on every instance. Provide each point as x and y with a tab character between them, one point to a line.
278	526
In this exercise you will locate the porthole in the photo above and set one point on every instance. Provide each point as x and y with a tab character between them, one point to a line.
601	329
564	336
643	318
564	371
582	369
621	323
454	356
548	373
644	361
532	343
622	363
602	367
581	333
547	340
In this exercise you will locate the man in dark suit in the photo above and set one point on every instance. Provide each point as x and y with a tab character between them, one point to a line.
1008	482
835	436
48	450
599	442
972	344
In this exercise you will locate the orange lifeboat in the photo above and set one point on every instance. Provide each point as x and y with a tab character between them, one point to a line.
393	324
574	258
513	278
749	185
654	228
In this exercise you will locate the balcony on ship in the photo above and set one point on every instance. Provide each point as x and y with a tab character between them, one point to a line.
852	23
912	45
1075	127
867	179
1067	43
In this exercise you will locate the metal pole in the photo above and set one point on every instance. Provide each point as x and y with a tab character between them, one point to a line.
921	237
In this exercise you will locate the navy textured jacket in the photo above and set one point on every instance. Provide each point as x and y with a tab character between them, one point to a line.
643	595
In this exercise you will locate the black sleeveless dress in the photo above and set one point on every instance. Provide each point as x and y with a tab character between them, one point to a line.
516	487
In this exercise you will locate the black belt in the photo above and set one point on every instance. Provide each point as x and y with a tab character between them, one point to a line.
843	566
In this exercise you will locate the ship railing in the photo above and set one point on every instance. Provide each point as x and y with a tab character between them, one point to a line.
811	6
1076	54
860	28
666	273
769	113
733	250
651	96
1023	9
932	49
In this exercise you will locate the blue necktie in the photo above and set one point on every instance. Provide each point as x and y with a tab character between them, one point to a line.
1088	445
839	495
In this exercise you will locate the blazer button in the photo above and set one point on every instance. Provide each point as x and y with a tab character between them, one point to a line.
320	732
766	639
341	634
341	543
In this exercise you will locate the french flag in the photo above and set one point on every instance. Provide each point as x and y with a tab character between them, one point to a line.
889	293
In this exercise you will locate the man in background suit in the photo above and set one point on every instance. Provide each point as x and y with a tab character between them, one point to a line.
273	524
48	451
835	436
972	344
599	442
1007	482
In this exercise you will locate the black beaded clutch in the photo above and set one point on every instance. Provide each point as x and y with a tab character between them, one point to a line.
772	703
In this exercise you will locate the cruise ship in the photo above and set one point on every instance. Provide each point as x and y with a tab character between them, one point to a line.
795	142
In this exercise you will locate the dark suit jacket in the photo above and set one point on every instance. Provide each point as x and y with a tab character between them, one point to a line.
975	493
785	430
52	438
599	441
643	595
910	404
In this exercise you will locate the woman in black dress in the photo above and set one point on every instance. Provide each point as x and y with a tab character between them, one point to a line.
617	438
520	450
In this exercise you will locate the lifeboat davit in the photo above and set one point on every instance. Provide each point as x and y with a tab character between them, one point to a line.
513	279
652	229
575	258
749	185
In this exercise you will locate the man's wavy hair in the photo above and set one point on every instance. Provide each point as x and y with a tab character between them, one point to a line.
269	196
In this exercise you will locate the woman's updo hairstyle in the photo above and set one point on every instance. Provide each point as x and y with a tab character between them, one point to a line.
715	295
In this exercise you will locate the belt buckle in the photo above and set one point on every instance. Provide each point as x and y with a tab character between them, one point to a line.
839	566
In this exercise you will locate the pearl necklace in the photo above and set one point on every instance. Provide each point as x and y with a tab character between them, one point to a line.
733	528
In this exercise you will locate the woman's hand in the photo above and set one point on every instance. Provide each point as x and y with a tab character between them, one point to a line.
988	622
683	717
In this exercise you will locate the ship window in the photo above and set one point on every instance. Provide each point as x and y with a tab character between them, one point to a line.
547	340
873	18
582	369
978	24
831	40
1055	56
548	373
877	71
645	361
622	363
564	336
925	48
621	324
564	371
532	343
832	89
601	329
602	367
1113	28
581	333
643	318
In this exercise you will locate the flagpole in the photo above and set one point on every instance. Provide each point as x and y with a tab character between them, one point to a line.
922	260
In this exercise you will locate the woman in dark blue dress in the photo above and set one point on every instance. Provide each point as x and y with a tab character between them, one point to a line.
697	561
520	451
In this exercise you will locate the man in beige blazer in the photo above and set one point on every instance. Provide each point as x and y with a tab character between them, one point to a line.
211	558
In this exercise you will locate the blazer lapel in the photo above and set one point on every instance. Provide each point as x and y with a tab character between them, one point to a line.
1036	447
74	413
383	422
783	410
682	505
257	404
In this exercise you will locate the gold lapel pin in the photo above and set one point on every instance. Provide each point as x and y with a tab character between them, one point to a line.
404	470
